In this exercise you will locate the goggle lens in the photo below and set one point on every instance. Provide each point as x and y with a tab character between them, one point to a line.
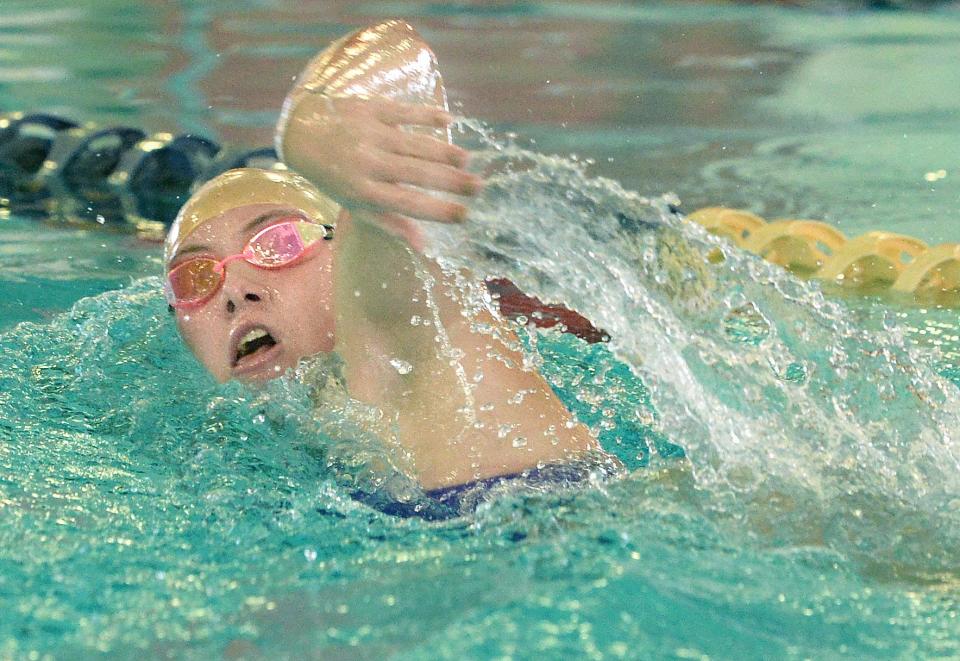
276	245
193	280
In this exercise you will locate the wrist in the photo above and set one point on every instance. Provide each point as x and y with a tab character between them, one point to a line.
302	116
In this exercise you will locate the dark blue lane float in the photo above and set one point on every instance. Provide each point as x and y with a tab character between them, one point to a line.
119	176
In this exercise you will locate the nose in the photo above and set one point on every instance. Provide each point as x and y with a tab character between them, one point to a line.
249	296
240	289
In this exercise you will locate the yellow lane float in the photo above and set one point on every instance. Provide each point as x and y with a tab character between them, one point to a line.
875	261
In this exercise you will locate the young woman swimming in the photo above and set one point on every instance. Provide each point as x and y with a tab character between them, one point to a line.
263	270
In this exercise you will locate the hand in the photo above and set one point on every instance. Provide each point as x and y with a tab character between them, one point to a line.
356	151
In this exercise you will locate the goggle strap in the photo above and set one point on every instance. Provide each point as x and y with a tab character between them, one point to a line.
310	232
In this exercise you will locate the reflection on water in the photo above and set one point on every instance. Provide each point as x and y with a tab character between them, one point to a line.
45	268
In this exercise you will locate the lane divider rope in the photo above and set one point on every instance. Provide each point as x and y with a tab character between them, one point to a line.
875	261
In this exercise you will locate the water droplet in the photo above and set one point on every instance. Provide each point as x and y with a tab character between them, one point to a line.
310	555
402	366
519	442
795	373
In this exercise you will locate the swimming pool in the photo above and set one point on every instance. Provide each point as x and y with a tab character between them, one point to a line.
145	508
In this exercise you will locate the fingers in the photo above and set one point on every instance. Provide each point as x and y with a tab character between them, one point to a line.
424	147
394	113
396	198
369	162
435	176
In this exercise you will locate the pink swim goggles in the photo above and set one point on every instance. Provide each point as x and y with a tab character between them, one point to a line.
193	282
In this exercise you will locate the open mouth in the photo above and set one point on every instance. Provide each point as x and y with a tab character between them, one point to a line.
256	341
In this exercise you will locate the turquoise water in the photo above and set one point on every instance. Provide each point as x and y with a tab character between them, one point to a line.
147	510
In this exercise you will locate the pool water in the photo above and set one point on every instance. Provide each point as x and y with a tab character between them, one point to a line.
793	458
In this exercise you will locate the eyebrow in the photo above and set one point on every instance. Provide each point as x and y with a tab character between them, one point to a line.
269	215
256	221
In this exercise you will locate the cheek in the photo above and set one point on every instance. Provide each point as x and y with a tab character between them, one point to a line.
311	310
316	309
200	336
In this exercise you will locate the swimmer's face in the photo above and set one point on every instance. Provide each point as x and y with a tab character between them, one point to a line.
293	305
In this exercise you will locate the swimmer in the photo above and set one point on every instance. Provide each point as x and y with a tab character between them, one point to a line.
264	270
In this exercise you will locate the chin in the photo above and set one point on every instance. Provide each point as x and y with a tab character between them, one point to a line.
261	374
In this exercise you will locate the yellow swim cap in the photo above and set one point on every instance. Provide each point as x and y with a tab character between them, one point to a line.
243	186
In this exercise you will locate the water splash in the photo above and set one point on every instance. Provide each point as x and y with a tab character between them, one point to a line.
788	407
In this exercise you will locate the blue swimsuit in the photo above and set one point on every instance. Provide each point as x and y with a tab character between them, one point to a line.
463	499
